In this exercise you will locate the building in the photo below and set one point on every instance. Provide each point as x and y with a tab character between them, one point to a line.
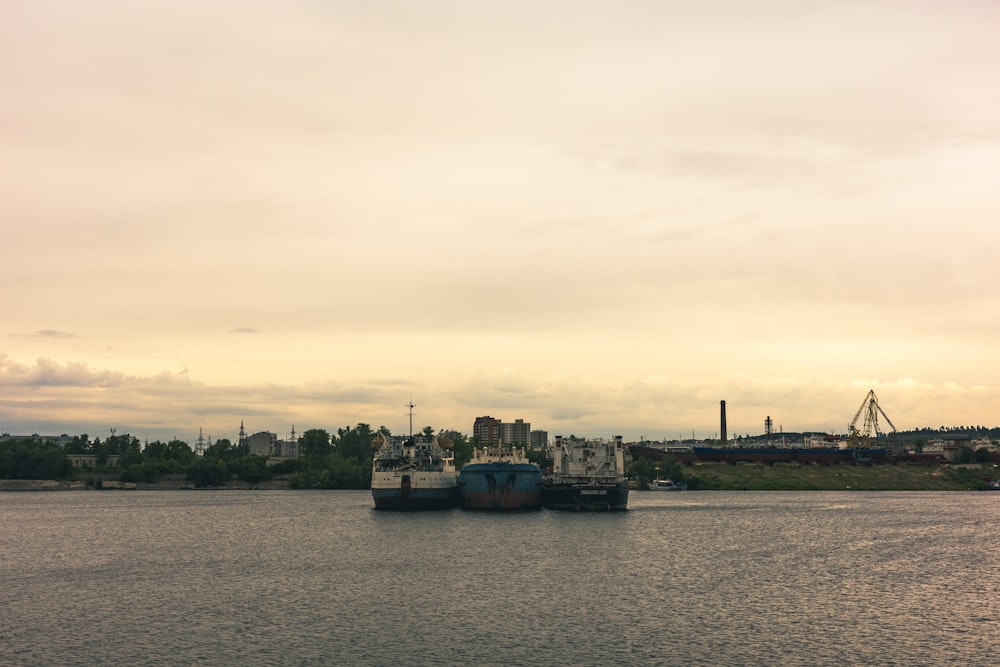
261	444
486	430
288	447
539	439
90	460
516	433
490	431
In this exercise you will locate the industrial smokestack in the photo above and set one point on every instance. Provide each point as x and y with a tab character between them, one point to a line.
722	409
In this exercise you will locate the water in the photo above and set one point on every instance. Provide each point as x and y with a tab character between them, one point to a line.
319	578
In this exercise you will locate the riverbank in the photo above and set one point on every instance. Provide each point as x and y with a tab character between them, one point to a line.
109	482
700	476
796	477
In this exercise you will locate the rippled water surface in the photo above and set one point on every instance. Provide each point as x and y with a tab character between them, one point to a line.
319	578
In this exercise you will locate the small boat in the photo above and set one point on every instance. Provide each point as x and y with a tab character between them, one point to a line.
666	485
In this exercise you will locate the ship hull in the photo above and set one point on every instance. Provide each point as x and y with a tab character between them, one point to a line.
420	491
500	487
585	497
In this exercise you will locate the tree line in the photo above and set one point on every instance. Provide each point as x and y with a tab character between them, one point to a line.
340	460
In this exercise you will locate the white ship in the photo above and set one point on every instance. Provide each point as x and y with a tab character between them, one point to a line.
413	474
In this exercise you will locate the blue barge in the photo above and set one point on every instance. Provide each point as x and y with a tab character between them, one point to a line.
500	480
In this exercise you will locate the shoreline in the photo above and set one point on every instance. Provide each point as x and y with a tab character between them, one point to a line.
56	485
701	476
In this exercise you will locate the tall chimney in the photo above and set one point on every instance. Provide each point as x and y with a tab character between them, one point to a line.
722	409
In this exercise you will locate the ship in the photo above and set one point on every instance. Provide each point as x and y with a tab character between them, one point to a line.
586	475
499	479
410	474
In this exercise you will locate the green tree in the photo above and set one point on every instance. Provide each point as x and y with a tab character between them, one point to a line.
104	449
251	469
180	451
540	457
315	443
31	459
208	472
355	443
150	471
154	450
335	472
174	455
669	468
79	445
222	449
287	467
642	470
462	449
130	452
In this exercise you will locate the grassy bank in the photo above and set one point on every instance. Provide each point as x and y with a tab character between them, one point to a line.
796	477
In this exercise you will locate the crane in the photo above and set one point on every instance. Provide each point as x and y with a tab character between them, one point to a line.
870	427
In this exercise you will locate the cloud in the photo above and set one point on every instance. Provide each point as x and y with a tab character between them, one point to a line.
243	330
50	333
49	373
51	397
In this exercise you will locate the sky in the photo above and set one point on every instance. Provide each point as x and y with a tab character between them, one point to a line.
600	216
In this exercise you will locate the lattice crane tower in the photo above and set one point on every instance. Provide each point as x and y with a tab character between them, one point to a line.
870	429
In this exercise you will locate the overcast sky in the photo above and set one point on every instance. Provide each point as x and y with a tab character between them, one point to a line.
601	217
